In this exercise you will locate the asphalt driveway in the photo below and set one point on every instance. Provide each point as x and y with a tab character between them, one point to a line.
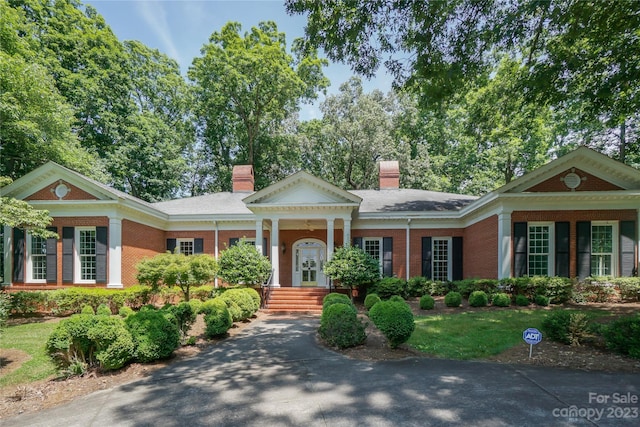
275	374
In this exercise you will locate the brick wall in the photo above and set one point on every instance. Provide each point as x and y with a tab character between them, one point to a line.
592	183
480	250
139	241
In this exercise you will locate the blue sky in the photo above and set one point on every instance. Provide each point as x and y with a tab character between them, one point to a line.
179	29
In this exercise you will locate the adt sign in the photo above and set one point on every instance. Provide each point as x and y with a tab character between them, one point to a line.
532	336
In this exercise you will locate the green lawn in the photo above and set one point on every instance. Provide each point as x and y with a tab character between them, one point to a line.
30	338
476	335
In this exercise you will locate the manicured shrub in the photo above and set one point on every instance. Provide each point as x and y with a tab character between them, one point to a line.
334	298
138	296
541	300
501	299
340	326
567	327
522	300
478	299
217	317
5	308
623	336
371	300
125	311
240	303
242	264
87	309
394	319
453	299
467	286
427	302
183	317
196	304
154	336
202	293
255	297
103	310
112	342
397	298
27	302
418	286
390	286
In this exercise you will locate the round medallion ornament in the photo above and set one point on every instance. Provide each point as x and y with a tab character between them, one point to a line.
61	190
572	180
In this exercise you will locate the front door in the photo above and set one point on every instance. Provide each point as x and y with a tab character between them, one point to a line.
308	262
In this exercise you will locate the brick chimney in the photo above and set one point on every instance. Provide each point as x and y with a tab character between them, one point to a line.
389	175
242	178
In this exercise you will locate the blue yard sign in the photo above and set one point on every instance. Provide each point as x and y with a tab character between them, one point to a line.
531	336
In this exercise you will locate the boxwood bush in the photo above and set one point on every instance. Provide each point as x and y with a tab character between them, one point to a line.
240	302
541	300
335	298
501	299
340	326
522	300
623	336
453	299
154	336
371	300
478	299
427	302
217	317
394	319
183	316
390	286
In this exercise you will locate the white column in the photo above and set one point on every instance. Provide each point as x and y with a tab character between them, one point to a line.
7	256
504	245
330	243
275	252
637	243
408	251
115	253
259	235
346	233
215	248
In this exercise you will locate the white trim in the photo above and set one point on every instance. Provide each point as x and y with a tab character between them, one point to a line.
296	276
449	241
551	258
115	254
77	273
380	245
615	237
504	245
28	276
185	240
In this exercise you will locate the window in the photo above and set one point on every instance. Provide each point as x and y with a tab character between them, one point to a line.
86	254
36	259
374	248
184	246
603	249
540	255
441	261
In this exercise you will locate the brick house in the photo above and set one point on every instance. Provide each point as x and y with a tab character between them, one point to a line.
574	217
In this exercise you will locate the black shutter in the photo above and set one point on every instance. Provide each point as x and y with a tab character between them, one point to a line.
102	248
18	255
456	258
52	257
265	247
562	249
520	249
357	242
233	241
67	254
387	256
627	248
426	257
171	245
198	246
583	259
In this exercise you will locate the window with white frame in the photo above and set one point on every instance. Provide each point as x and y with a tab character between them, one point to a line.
85	254
540	254
373	246
36	259
603	249
441	260
185	246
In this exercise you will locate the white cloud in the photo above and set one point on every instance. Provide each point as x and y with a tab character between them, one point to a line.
155	15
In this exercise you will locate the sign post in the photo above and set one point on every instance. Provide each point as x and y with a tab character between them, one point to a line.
531	336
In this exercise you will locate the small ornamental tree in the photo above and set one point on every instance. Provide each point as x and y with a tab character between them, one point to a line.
177	270
242	264
352	267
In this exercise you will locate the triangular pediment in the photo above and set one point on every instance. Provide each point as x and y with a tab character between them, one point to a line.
580	170
302	189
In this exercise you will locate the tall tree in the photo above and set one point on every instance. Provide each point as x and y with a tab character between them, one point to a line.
586	53
246	86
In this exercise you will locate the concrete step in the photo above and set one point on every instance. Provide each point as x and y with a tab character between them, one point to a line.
296	300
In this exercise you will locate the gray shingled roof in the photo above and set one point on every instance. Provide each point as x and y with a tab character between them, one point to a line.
407	200
208	204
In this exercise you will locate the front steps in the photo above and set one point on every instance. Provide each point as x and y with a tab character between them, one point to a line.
298	300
